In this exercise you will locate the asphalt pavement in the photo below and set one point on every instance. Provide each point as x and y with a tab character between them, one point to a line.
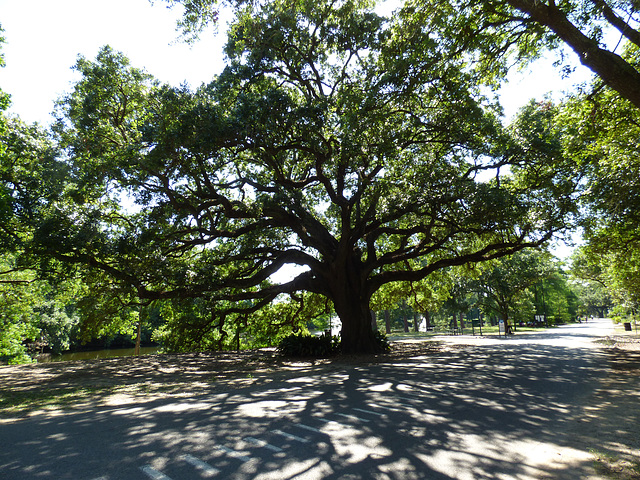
495	408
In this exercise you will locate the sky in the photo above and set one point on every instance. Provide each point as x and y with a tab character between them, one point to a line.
45	37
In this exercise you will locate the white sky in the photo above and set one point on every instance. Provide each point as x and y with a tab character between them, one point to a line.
44	38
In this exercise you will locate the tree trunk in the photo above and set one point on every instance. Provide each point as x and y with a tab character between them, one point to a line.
346	285
357	334
406	323
507	328
374	322
387	322
415	322
427	318
610	67
354	313
461	321
138	339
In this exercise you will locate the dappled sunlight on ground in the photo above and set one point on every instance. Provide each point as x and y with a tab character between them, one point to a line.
496	410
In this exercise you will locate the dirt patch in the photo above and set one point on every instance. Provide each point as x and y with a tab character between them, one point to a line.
30	389
610	421
622	342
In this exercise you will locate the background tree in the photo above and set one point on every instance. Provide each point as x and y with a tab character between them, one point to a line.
600	131
31	310
594	299
504	282
599	124
589	282
497	34
462	298
16	322
422	297
561	298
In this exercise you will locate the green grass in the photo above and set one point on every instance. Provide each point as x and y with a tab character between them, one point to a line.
611	466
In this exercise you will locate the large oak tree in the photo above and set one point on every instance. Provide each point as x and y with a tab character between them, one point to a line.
336	140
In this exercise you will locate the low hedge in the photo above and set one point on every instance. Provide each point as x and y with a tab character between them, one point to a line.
325	345
301	345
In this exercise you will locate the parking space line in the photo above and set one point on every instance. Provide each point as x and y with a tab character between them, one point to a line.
233	453
290	437
326	420
353	417
262	443
307	427
369	411
199	464
153	473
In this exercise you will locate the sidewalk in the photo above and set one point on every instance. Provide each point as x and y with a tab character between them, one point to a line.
608	424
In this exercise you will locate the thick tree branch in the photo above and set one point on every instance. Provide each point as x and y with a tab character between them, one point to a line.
610	67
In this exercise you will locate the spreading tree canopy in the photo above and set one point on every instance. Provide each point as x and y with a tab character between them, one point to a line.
602	33
337	141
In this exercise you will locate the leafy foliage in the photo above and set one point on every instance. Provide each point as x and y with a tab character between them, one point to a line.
197	15
16	322
382	341
305	345
600	130
502	281
500	33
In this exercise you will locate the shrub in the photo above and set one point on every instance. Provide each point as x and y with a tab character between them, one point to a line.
383	342
325	345
301	345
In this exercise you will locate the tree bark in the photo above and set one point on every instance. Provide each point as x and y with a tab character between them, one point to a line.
427	318
357	334
415	322
351	303
138	339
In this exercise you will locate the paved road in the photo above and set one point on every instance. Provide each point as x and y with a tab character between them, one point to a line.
499	409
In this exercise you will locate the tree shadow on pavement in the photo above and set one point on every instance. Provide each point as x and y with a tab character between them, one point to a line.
610	421
484	412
